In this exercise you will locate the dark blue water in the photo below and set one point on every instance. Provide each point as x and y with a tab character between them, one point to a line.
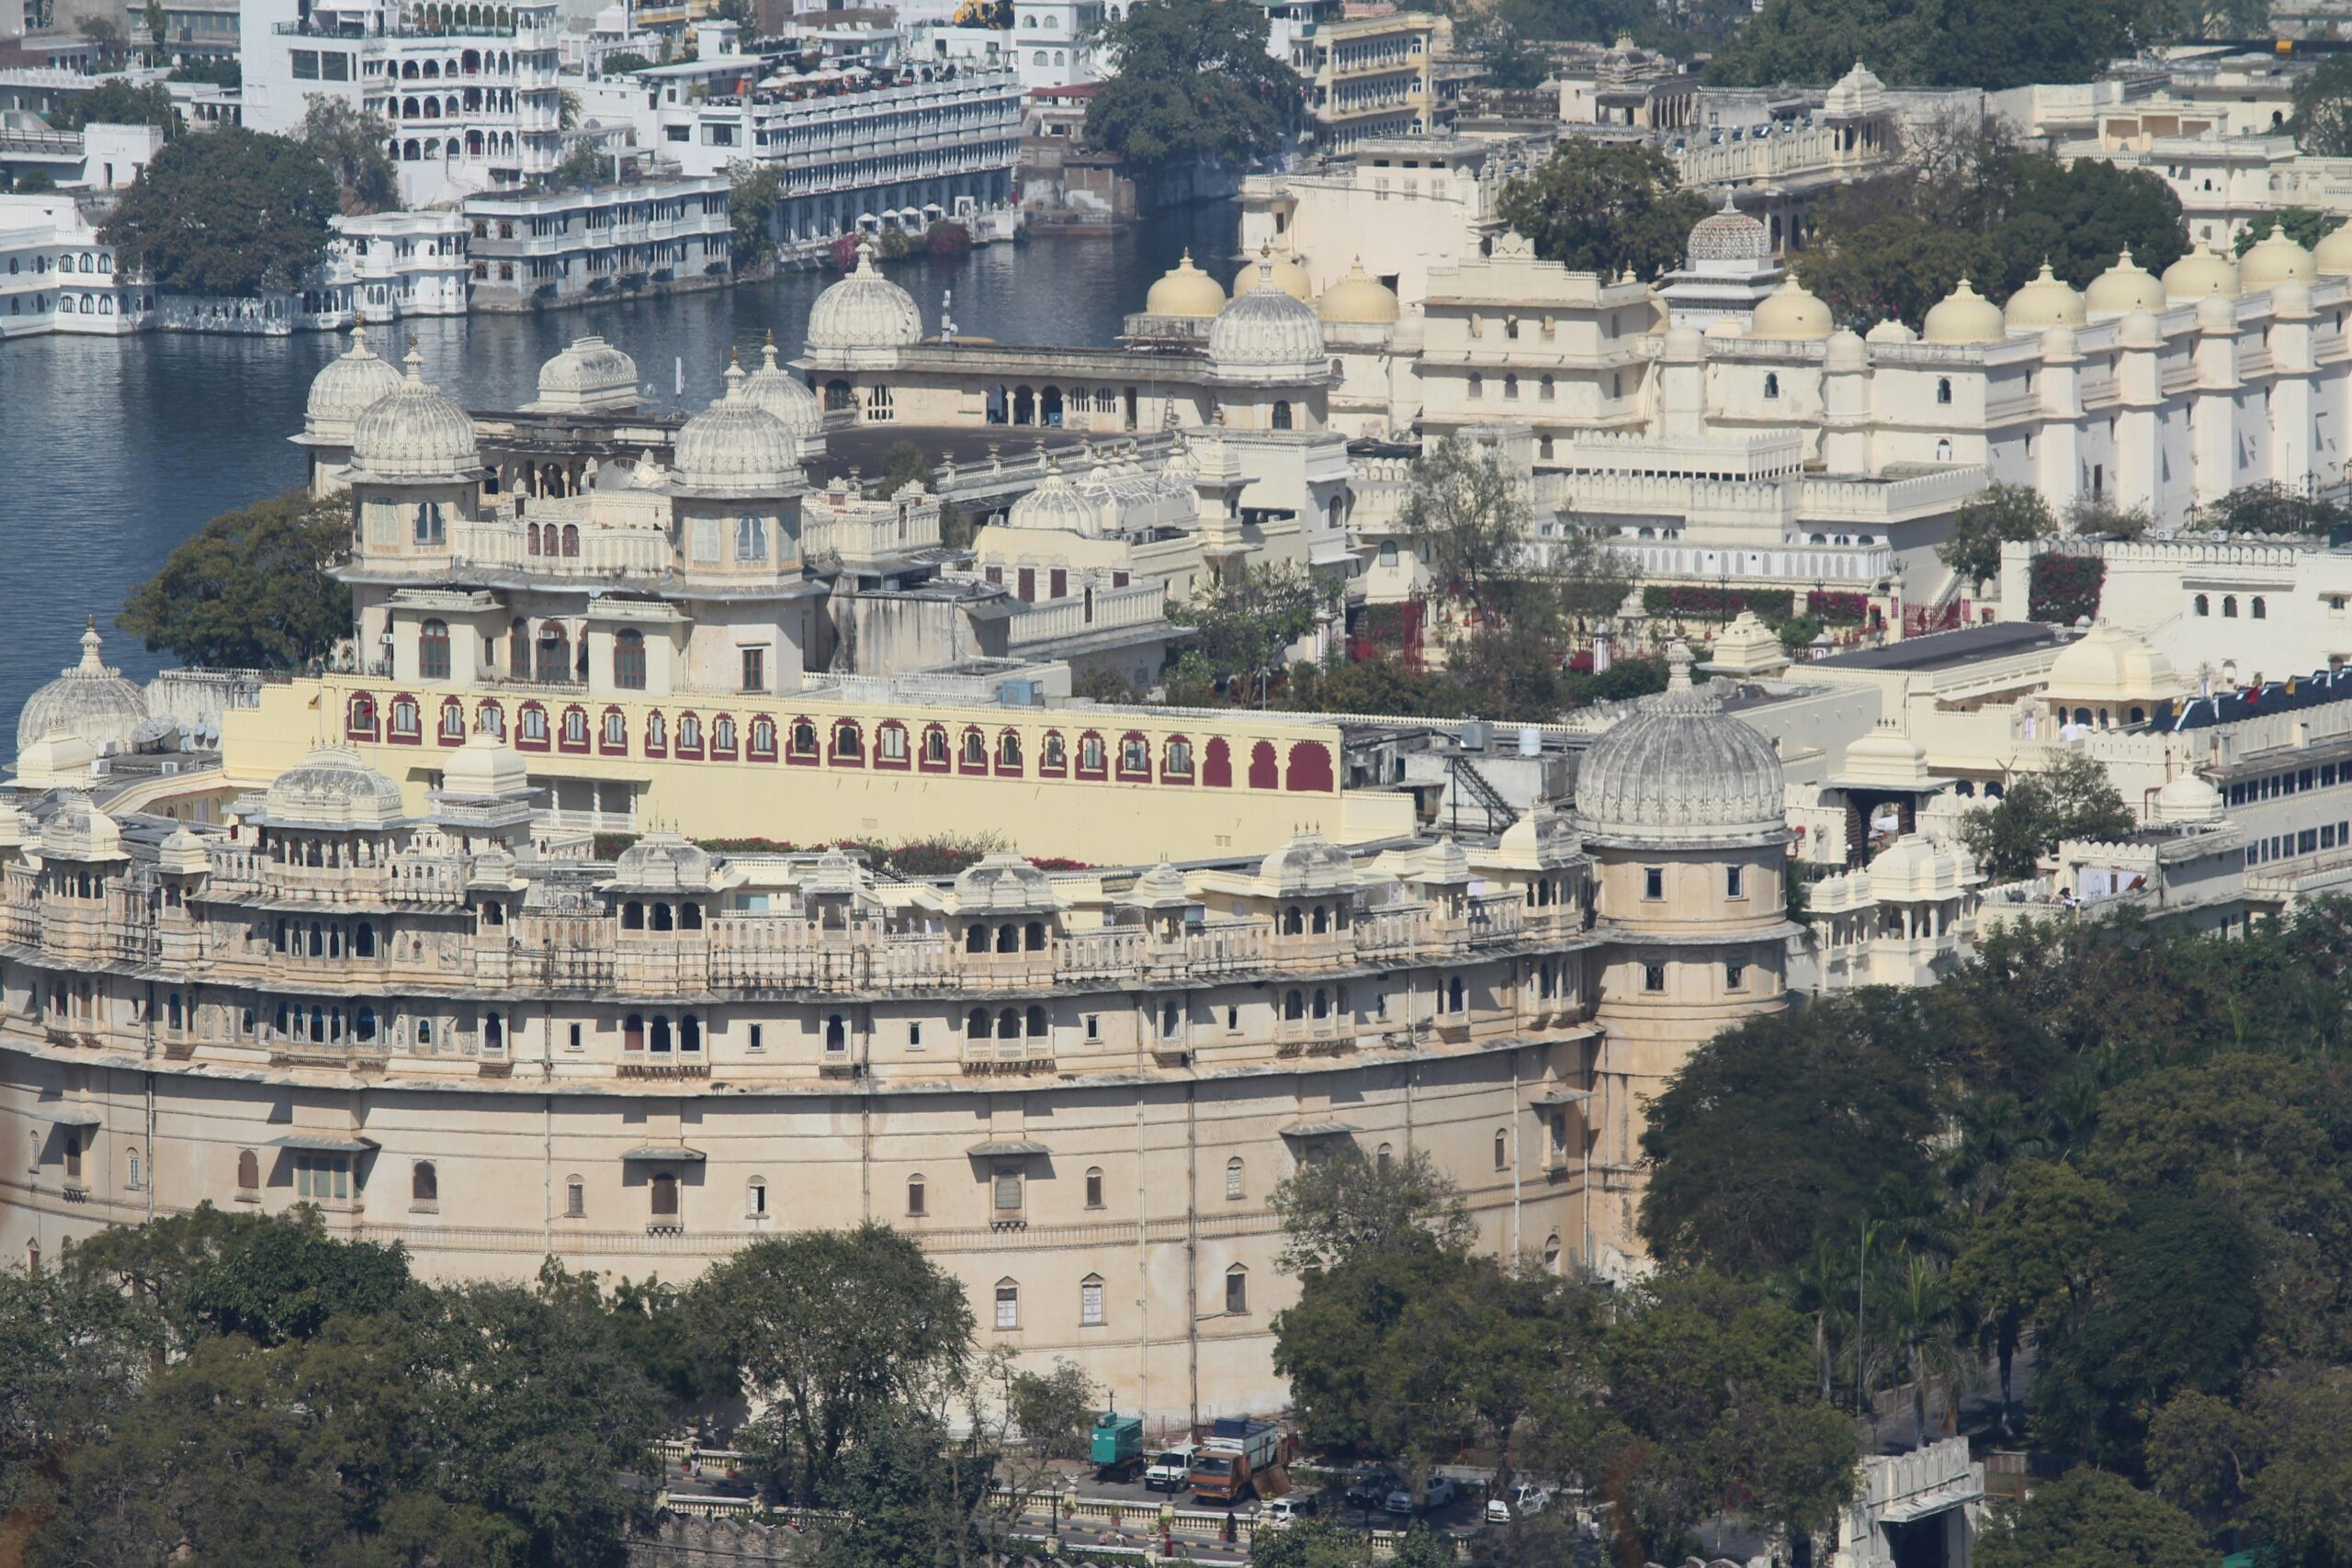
112	451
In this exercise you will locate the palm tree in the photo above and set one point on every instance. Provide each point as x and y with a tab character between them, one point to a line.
1822	1289
1922	1323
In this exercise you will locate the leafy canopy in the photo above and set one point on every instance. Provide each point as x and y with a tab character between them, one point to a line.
1602	206
232	212
2073	798
1194	85
252	587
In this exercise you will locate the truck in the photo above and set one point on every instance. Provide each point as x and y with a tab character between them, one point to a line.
1238	1460
1117	1446
1170	1470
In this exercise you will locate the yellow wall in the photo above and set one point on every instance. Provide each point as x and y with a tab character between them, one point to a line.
1100	821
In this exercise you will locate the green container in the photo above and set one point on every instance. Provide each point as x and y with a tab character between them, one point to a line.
1117	1439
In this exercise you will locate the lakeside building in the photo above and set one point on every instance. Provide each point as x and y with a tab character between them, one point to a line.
653	235
57	276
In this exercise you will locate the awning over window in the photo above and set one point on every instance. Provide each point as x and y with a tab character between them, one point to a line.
1562	1097
68	1116
326	1143
654	1153
1006	1148
1320	1130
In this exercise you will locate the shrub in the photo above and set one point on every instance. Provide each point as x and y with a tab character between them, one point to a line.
2065	589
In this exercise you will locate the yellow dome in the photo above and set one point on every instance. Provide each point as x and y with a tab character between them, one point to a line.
2202	275
2044	303
2122	288
1358	298
2333	254
2110	665
1963	316
2271	261
1289	277
1184	290
1791	314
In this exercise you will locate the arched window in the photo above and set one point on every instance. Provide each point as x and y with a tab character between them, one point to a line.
849	745
1090	1302
363	1028
571	540
1943	389
1008	1304
1502	1149
432	650
248	1172
976	749
628	660
1771	384
1386	1157
1477	385
1037	1025
1008	752
976	1025
424	1183
429	522
1545	388
665	1197
1094	1186
934	746
1510	387
614	735
915	1196
1282	413
1237	1290
2258	609
750	539
2229	607
1233	1182
2204	605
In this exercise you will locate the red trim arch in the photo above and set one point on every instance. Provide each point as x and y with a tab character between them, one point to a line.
1176	760
1216	764
485	711
572	733
613	741
1053	755
1310	769
760	744
1264	773
882	759
725	739
1099	768
449	732
359	717
529	717
657	734
406	721
1133	743
923	762
804	743
853	754
687	745
972	751
1008	757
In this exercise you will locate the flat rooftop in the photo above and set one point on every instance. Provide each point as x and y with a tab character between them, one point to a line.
1949	650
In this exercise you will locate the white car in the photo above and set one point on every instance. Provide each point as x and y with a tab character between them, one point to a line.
1282	1513
1526	1500
1439	1493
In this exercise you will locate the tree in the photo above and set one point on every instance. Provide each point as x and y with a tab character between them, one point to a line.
1920	43
1054	1410
2322	123
1779	1136
217	72
622	63
232	212
2275	1466
2272	508
1469	521
1342	1204
1244	622
2028	1262
754	190
73	1351
155	21
117	102
1195	86
2073	798
585	162
1996	515
2102	516
2090	1519
904	464
2303	225
109	37
911	1493
830	1330
1602	206
350	143
251	588
35	182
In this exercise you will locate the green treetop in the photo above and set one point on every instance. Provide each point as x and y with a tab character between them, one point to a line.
1195	86
232	212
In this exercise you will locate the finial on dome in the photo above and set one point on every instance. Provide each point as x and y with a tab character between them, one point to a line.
90	644
1678	666
735	378
360	334
416	360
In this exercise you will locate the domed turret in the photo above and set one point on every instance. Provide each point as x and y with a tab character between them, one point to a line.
1184	290
1890	331
2122	288
589	375
1963	316
2333	254
662	862
1285	275
2202	275
2111	668
1358	298
2045	302
1308	864
413	433
78	830
735	448
1729	235
864	309
1680	771
1055	504
2186	801
332	788
2273	260
484	768
344	388
785	396
1791	313
89	701
1005	883
1268	330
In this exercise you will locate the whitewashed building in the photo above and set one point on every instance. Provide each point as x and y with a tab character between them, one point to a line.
55	275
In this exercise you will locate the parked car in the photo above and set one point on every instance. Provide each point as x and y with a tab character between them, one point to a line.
1439	1493
1280	1513
1526	1500
1371	1489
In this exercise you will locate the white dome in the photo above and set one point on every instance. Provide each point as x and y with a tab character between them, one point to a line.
785	396
735	448
332	788
864	309
2044	301
1679	772
1729	235
590	374
2122	288
2184	800
1055	504
2202	274
1791	314
1358	298
344	388
2333	254
90	702
1890	331
1267	330
2109	664
1963	316
1308	864
79	831
1003	884
414	434
2273	260
662	859
1184	290
484	768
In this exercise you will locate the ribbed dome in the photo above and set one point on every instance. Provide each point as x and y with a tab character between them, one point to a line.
2274	259
1679	772
1057	504
414	434
590	374
2333	254
1308	864
2109	664
734	447
785	396
88	701
1729	235
2202	275
79	831
1791	314
1963	316
661	860
2045	302
332	788
1003	883
1184	290
1286	276
1360	299
2184	800
1267	328
2122	288
864	309
343	390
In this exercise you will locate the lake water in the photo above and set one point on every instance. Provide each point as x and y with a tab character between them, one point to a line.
112	451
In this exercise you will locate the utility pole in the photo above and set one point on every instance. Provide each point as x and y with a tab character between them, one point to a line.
1861	1280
